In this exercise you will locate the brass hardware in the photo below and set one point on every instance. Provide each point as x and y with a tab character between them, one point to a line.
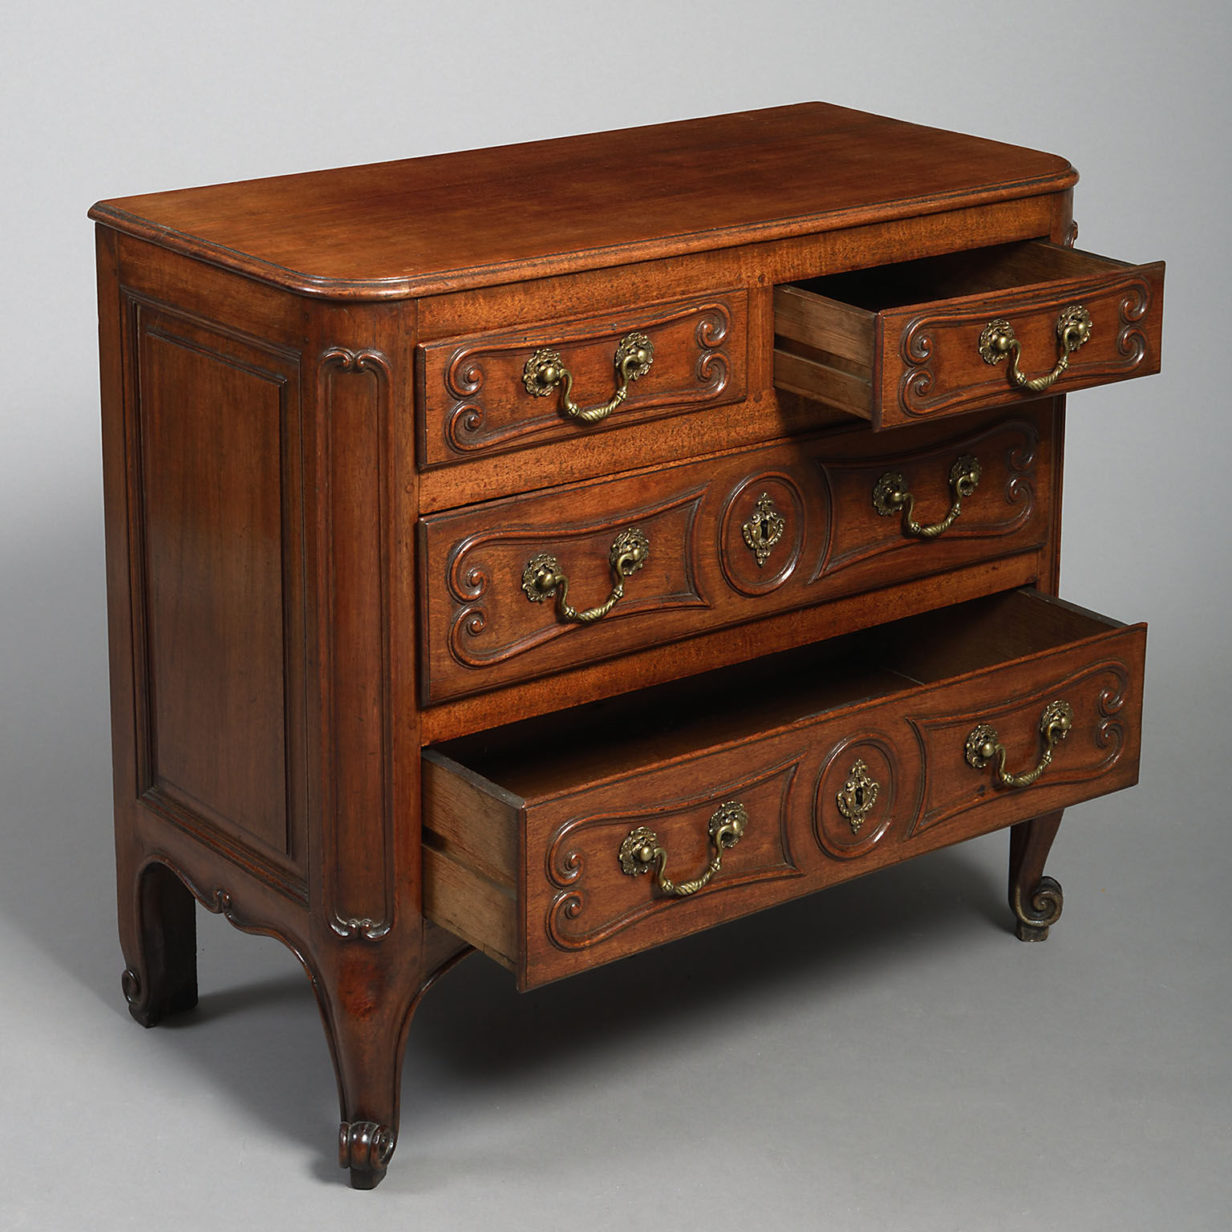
858	796
542	578
640	851
983	745
997	341
890	495
763	529
544	371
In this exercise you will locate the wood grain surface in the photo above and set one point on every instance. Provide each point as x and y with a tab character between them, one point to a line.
522	211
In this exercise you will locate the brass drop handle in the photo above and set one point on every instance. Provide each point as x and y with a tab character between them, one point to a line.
640	851
542	578
544	371
891	495
997	341
983	745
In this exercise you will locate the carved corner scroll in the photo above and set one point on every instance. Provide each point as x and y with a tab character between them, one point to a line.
353	408
1132	307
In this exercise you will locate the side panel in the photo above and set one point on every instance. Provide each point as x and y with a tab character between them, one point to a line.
216	510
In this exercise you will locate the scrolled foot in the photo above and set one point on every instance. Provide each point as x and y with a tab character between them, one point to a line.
1040	912
149	1011
365	1148
130	985
158	934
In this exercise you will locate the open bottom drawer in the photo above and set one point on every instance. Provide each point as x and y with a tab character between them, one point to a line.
565	841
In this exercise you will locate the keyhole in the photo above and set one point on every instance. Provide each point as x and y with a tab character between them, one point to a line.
859	797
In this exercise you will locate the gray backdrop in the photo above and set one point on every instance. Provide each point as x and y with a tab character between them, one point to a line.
902	1063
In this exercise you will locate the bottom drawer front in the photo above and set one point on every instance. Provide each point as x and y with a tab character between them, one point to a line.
574	839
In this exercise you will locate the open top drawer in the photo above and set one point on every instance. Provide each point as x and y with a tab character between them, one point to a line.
966	331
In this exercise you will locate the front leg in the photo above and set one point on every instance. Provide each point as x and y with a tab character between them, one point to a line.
367	997
1035	900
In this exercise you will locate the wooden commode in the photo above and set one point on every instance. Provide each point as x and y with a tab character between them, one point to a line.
559	549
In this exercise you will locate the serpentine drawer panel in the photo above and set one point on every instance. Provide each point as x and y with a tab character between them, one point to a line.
967	331
719	541
565	841
487	393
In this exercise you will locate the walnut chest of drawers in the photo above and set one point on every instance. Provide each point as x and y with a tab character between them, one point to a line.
559	549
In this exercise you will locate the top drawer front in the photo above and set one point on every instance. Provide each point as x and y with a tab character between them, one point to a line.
902	343
474	395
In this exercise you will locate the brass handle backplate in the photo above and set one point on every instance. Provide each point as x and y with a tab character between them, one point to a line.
998	340
542	578
983	745
545	370
640	851
891	495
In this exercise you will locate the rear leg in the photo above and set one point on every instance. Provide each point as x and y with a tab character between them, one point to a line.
158	935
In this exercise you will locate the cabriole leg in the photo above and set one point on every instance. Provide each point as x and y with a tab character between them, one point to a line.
1035	900
367	1006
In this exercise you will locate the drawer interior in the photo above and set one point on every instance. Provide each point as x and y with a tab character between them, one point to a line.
569	750
980	271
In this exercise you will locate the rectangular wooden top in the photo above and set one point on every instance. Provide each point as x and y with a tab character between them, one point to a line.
451	221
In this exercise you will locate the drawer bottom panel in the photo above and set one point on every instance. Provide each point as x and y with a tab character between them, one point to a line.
559	843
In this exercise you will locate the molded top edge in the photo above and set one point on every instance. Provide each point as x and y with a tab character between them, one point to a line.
452	221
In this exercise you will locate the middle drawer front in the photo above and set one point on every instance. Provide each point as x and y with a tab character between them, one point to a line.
520	588
547	842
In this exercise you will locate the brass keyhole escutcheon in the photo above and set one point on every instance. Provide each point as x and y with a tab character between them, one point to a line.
858	795
763	529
